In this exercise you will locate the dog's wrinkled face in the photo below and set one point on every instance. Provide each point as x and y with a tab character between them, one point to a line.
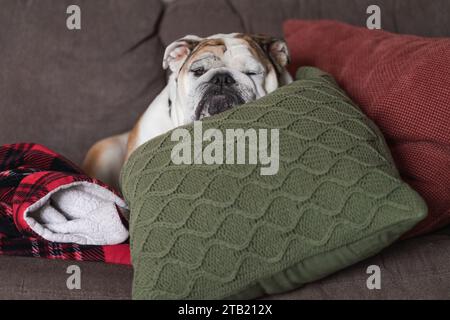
219	72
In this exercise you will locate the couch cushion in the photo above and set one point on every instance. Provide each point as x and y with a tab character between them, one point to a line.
36	278
205	17
68	88
202	231
411	269
402	83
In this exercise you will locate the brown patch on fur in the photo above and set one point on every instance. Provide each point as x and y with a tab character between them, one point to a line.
132	139
105	158
91	160
191	44
217	46
259	45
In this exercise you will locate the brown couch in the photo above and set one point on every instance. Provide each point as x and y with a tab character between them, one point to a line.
66	89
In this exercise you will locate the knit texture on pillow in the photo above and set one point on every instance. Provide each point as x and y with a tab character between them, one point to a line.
225	231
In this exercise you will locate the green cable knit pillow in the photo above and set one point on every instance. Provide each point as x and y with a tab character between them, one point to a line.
218	231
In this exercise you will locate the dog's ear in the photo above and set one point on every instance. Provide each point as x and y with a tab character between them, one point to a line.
276	49
178	51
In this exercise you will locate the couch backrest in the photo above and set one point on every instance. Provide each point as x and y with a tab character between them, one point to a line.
205	17
68	88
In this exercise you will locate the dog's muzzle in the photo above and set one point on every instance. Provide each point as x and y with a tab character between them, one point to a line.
220	95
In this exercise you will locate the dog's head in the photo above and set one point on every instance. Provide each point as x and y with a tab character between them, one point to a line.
214	74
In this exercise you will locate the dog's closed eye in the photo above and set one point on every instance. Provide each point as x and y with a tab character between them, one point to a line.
199	71
252	73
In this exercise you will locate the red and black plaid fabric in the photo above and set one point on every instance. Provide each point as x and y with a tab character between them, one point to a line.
28	172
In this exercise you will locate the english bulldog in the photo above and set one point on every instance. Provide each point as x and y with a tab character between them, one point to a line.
208	76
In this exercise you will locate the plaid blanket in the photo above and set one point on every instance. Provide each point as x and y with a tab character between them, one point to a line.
30	174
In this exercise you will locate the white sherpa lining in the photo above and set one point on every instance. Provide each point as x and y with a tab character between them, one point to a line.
79	212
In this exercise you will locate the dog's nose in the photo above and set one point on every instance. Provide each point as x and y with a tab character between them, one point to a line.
222	79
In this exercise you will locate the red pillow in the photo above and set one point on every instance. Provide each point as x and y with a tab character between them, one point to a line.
402	83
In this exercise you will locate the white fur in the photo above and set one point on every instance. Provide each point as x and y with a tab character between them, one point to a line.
237	59
156	119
